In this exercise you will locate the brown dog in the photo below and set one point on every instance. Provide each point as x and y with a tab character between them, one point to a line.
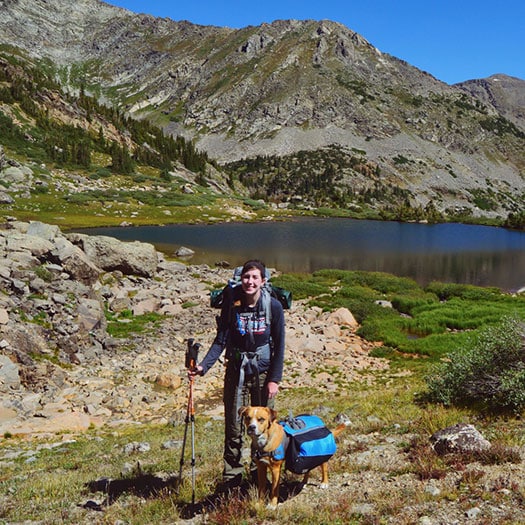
267	435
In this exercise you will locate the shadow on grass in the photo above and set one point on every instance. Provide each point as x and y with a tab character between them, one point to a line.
150	486
144	485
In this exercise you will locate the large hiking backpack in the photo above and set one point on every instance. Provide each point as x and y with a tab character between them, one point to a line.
310	443
222	296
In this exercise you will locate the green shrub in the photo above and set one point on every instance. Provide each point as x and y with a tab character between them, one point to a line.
44	273
125	323
300	285
446	291
488	371
381	282
101	173
406	304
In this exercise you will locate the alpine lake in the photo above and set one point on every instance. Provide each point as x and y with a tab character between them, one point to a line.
449	252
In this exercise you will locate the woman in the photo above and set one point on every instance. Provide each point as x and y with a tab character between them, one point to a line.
251	329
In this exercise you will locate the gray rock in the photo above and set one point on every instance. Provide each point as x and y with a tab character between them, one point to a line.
38	285
171	443
458	438
14	175
36	246
110	254
184	252
473	513
5	198
432	490
9	374
45	231
91	314
74	261
137	447
19	287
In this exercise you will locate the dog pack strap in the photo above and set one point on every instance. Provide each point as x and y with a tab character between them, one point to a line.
280	452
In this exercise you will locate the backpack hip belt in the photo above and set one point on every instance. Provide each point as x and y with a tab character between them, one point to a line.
249	366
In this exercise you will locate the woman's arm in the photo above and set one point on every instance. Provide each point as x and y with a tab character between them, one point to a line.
277	330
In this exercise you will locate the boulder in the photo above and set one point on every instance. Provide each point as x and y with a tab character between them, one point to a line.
13	174
146	306
9	374
184	252
91	315
458	438
169	380
44	231
110	254
342	317
5	198
74	421
74	261
36	246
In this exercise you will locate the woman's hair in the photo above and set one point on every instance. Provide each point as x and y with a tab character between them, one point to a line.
254	264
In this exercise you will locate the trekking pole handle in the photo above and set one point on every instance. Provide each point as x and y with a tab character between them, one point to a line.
192	354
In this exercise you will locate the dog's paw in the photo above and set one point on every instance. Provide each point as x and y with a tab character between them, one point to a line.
324	485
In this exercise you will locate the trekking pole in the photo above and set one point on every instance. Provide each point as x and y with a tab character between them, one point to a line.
190	362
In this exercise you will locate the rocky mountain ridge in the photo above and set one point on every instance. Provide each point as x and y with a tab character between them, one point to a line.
286	87
506	94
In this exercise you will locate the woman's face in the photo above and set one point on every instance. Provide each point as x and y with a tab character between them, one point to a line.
251	282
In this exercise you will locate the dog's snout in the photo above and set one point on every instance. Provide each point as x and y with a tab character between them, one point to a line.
252	427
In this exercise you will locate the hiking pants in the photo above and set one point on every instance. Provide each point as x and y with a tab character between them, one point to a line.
233	432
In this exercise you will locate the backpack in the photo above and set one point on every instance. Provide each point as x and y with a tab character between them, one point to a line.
310	443
222	296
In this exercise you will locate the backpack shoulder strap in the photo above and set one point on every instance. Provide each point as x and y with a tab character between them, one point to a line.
266	302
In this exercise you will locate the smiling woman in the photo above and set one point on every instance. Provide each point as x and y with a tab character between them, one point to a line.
251	330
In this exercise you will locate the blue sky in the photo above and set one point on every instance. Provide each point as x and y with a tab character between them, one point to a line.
453	40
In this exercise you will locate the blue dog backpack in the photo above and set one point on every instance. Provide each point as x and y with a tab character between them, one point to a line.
310	443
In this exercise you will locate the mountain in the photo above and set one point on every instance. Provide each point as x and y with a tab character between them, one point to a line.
321	114
505	94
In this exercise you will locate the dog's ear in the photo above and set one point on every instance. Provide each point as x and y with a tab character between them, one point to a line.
242	410
273	415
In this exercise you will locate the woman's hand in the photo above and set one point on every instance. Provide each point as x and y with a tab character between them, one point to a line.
195	371
273	388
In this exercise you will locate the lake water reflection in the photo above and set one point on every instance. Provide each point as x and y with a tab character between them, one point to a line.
479	255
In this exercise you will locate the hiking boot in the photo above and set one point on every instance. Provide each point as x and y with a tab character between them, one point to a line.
228	484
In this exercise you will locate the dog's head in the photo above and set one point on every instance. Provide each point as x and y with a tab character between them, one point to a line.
257	420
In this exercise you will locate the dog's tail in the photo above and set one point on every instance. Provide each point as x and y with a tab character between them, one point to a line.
342	426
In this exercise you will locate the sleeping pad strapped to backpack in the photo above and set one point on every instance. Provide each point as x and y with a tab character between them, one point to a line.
310	444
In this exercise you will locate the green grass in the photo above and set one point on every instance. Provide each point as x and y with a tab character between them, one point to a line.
55	483
125	323
428	321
